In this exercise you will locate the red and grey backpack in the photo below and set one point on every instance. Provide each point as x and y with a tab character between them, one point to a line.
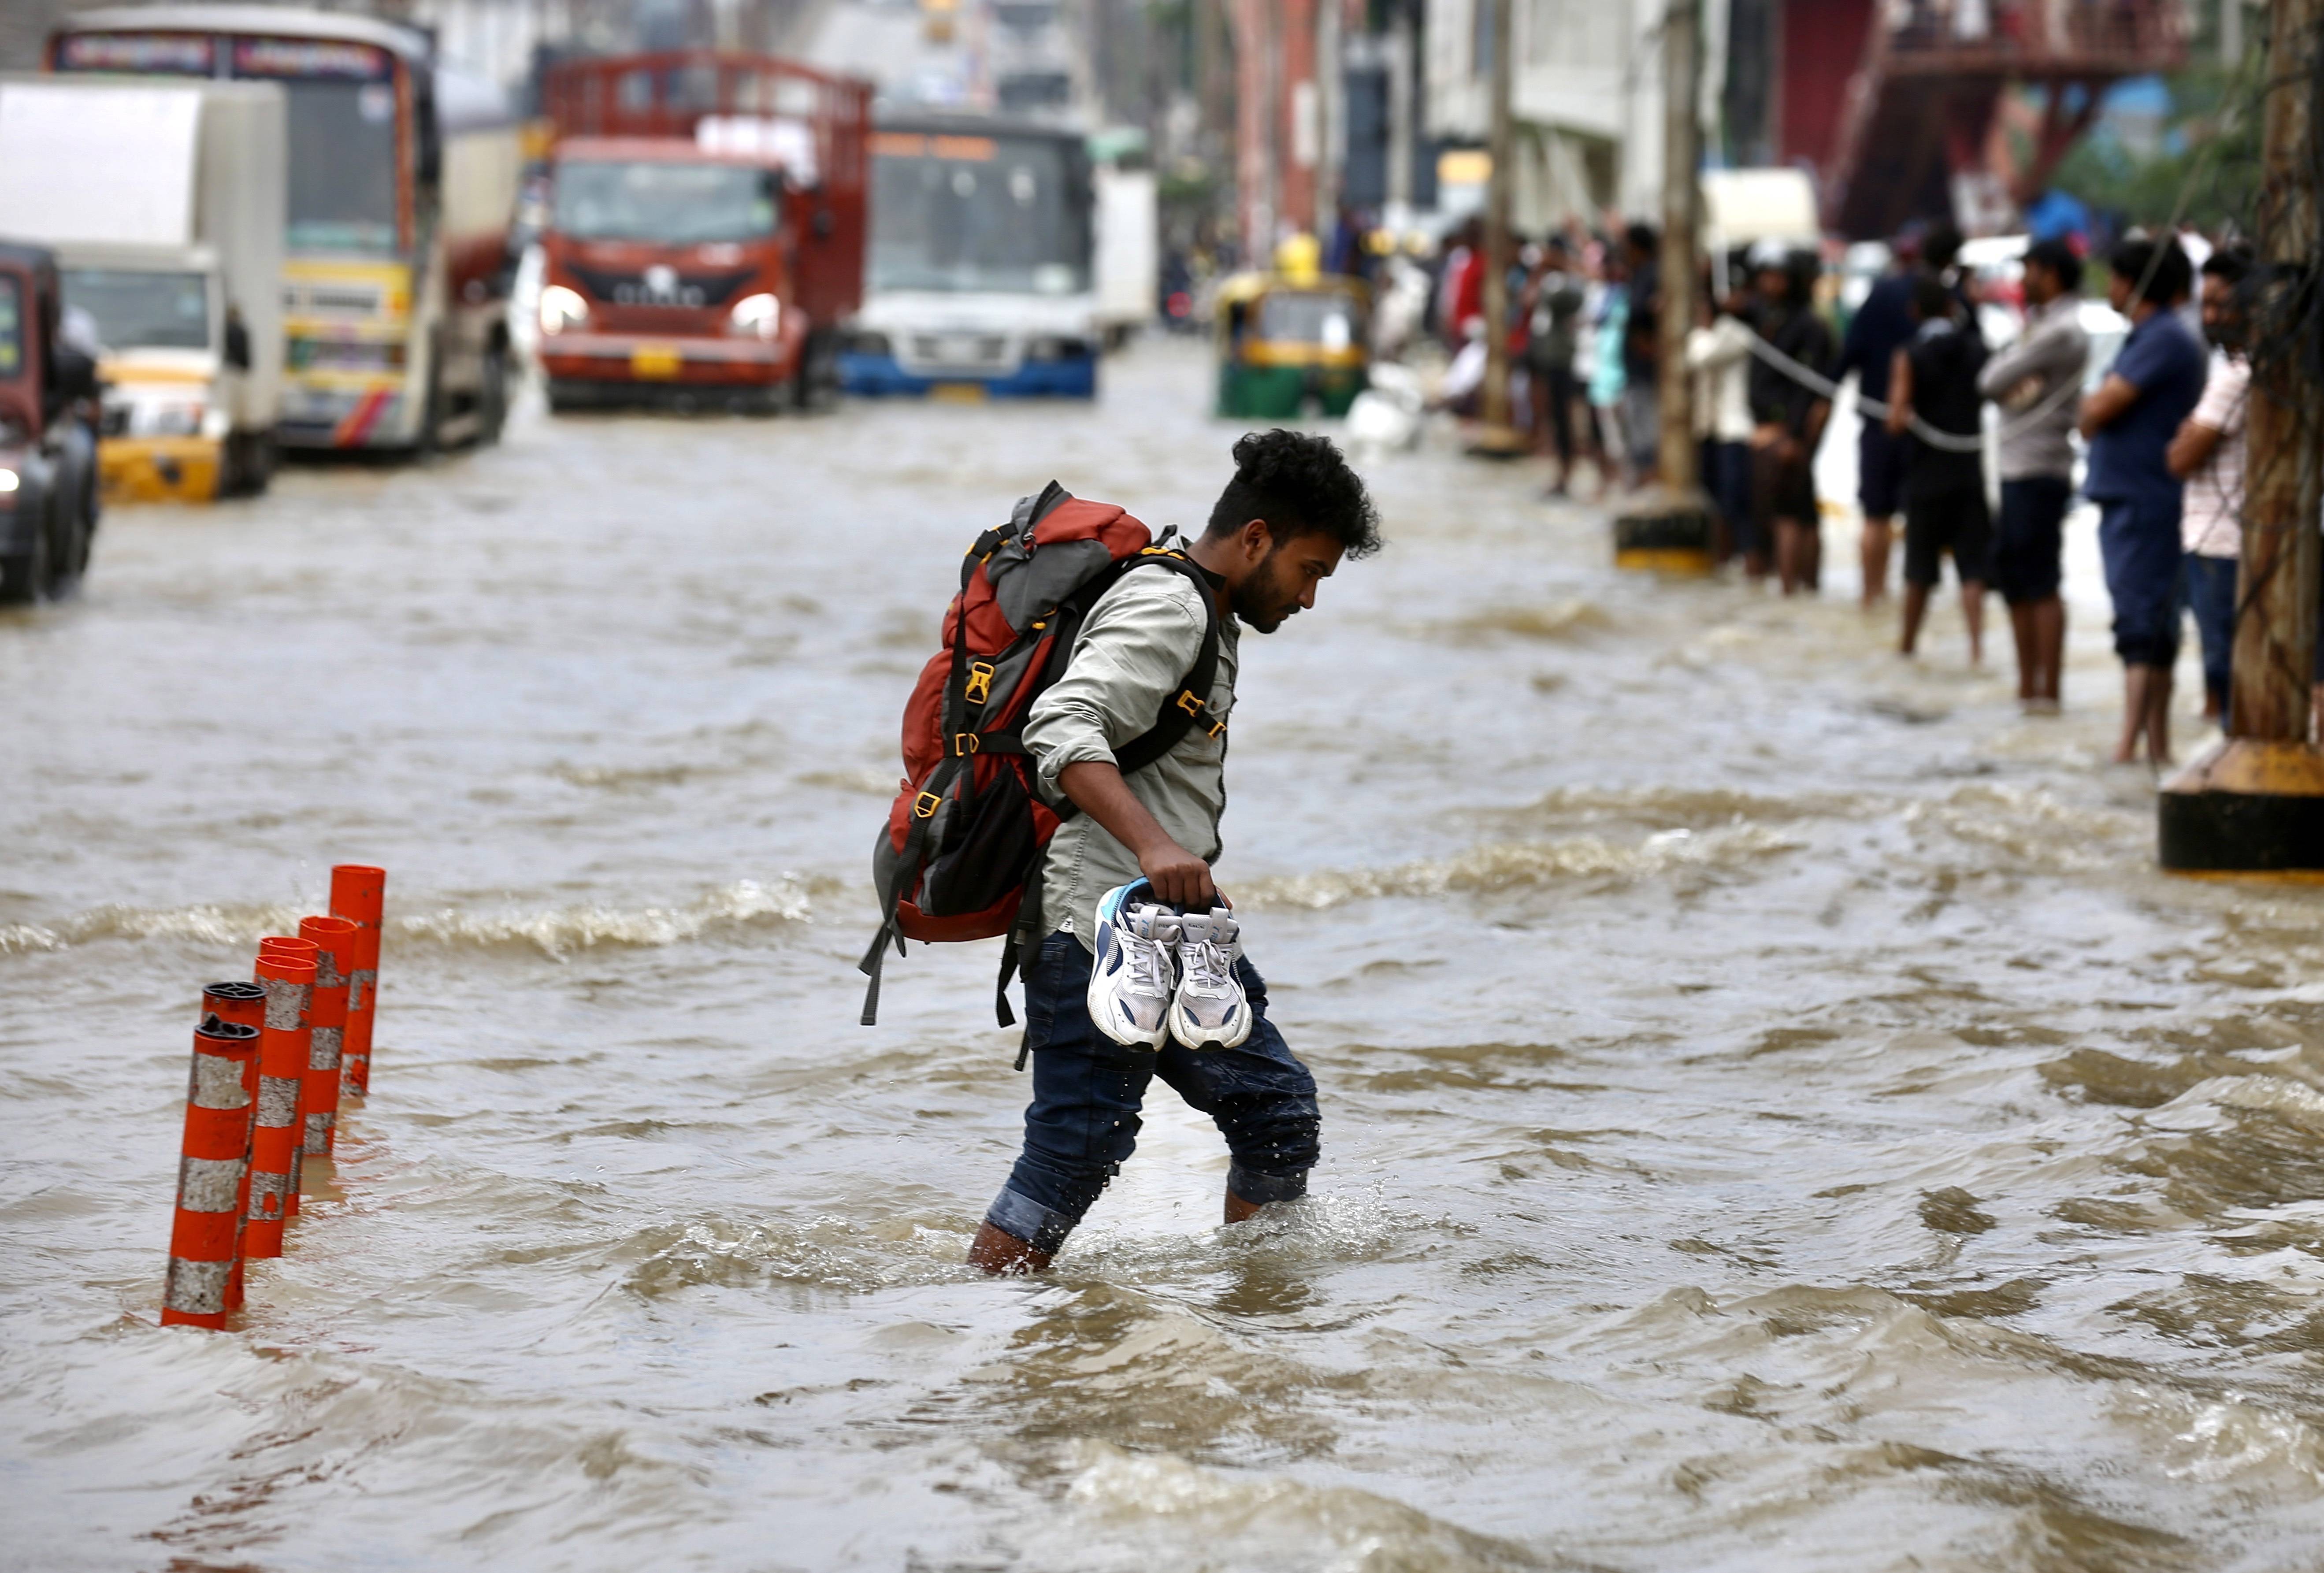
960	856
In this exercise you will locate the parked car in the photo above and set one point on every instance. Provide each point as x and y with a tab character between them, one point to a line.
48	442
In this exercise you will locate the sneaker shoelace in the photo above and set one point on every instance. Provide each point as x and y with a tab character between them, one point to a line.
1149	962
1209	961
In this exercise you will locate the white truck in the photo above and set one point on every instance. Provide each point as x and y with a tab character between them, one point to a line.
1129	251
164	202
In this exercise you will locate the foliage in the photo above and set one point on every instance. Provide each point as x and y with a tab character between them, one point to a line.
2208	159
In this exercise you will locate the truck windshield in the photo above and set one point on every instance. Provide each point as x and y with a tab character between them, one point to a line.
1008	214
12	328
671	203
139	310
342	137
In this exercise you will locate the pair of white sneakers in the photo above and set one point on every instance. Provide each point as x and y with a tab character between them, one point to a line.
1162	973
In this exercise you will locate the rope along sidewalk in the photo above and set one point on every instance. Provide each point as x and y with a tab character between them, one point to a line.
1953	442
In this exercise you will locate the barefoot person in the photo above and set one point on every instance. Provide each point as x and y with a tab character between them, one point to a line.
1790	417
1144	934
2154	384
1935	378
2033	381
2207	454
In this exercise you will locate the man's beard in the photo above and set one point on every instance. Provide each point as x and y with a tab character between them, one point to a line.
1260	601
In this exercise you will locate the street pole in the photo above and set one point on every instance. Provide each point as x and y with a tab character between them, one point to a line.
1499	439
1679	458
1667	528
2256	804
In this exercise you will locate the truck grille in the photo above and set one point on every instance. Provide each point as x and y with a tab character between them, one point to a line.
660	286
961	352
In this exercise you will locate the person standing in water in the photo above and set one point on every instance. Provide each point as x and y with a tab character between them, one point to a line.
2034	382
2154	384
1292	512
1933	378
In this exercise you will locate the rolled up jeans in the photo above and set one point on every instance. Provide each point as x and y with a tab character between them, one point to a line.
1083	1123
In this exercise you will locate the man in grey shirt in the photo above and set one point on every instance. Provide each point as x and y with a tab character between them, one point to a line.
2035	381
1293	510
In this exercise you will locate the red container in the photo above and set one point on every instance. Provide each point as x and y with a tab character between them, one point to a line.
240	1004
206	1237
319	1090
358	894
288	975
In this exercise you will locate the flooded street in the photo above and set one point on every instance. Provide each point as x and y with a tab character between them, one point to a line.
1775	1117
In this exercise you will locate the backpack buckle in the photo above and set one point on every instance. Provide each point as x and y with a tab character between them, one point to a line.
1216	726
980	682
925	805
1188	703
964	743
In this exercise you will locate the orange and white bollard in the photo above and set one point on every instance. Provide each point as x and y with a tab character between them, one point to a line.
288	976
358	892
240	1004
327	1015
205	1236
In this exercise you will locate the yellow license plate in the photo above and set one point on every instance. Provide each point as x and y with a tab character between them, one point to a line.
660	362
958	392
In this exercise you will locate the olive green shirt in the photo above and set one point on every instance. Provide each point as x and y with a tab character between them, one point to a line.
1134	650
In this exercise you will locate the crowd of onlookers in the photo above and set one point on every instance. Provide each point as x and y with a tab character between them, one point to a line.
2161	430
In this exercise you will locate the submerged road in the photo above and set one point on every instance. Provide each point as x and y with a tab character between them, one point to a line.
1775	1116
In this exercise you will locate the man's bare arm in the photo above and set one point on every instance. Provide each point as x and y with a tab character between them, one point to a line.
1179	877
2105	407
1900	393
2191	449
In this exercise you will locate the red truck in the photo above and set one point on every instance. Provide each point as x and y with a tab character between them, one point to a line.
705	232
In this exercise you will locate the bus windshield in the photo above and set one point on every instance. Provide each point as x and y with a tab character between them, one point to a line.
137	310
1005	214
669	202
342	137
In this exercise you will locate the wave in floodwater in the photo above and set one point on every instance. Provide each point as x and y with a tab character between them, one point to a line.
1679	807
1498	866
555	931
1563	619
1157	1505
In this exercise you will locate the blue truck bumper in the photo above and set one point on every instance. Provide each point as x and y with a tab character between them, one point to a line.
878	376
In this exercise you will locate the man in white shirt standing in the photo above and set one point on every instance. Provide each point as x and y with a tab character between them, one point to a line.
2208	454
2035	380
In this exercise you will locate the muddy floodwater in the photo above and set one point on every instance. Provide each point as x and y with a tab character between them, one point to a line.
1775	1116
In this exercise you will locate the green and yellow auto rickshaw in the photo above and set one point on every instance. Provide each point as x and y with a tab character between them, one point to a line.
1284	340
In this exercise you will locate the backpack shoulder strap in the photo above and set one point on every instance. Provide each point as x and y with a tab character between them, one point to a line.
1187	707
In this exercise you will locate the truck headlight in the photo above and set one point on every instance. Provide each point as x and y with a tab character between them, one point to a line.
1057	349
759	314
562	307
7	482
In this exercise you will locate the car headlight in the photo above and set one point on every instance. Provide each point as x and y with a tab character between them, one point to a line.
762	315
7	482
562	307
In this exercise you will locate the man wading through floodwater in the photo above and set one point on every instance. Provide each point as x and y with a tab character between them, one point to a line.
1292	511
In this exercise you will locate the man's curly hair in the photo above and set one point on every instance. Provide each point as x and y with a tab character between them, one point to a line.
1300	484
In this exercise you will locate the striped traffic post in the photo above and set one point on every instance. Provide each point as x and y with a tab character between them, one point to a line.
288	976
240	1004
358	892
206	1234
326	1013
